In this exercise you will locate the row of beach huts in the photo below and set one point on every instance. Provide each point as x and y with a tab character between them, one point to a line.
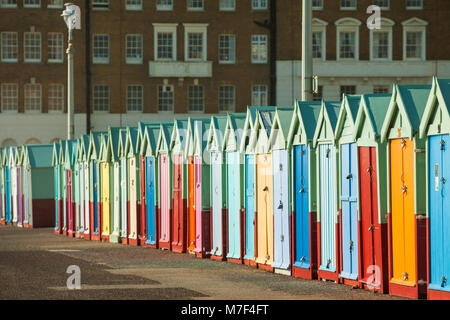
352	191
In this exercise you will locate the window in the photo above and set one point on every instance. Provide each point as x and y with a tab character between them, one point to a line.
414	39
56	98
135	98
317	47
134	48
164	5
134	5
319	95
55	47
165	41
414	4
348	4
32	46
195	5
383	4
55	4
226	98
195	98
381	41
8	4
380	89
9	46
317	4
100	4
259	95
347	38
101	98
348	90
195	42
227	5
227	48
31	3
259	4
165	98
259	48
101	48
9	97
33	97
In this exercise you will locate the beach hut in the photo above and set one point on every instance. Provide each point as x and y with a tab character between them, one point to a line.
55	164
113	160
406	190
303	191
124	219
84	184
133	167
218	179
26	190
19	184
179	195
37	162
13	173
435	126
148	151
105	188
202	188
63	188
79	192
372	193
165	189
8	204
190	187
348	190
95	204
327	195
278	145
68	164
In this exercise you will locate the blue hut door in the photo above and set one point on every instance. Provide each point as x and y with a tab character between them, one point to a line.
249	207
150	197
280	170
327	208
216	183
439	174
301	205
234	226
56	177
8	194
123	193
349	186
95	194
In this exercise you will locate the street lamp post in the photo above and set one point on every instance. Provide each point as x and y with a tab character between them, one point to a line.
307	61
71	17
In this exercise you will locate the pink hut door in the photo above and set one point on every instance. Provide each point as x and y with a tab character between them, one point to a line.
198	204
19	196
164	178
69	200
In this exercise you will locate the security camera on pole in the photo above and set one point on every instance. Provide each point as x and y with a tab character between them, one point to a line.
72	18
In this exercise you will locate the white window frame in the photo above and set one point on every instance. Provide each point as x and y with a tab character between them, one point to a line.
49	97
31	6
62	48
386	27
165	28
100	5
164	86
348	8
319	25
234	98
8	5
234	50
415	25
133	7
347	25
193	8
16	59
385	7
55	6
203	98
414	7
142	98
25	98
25	48
259	6
2	96
99	60
196	28
317	7
130	60
226	8
259	93
260	43
109	98
164	7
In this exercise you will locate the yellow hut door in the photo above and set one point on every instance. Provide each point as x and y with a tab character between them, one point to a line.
264	209
105	198
402	212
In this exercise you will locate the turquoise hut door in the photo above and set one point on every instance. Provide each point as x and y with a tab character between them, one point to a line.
8	194
86	200
216	184
280	171
301	205
327	176
439	199
57	209
250	207
151	206
234	225
349	198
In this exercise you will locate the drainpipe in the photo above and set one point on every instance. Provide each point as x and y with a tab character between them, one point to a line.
88	65
272	27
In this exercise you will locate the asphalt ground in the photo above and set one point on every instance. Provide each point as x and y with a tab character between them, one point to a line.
33	265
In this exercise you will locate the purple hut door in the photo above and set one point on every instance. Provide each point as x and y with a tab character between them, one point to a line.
198	204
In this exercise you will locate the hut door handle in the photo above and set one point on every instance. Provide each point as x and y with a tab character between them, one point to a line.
443	180
282	238
403	143
444	281
351	245
266	188
328	152
280	206
303	258
328	263
371	228
442	144
405	276
404	189
349	176
302	190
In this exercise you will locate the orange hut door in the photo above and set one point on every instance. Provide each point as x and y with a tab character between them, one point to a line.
191	191
402	212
